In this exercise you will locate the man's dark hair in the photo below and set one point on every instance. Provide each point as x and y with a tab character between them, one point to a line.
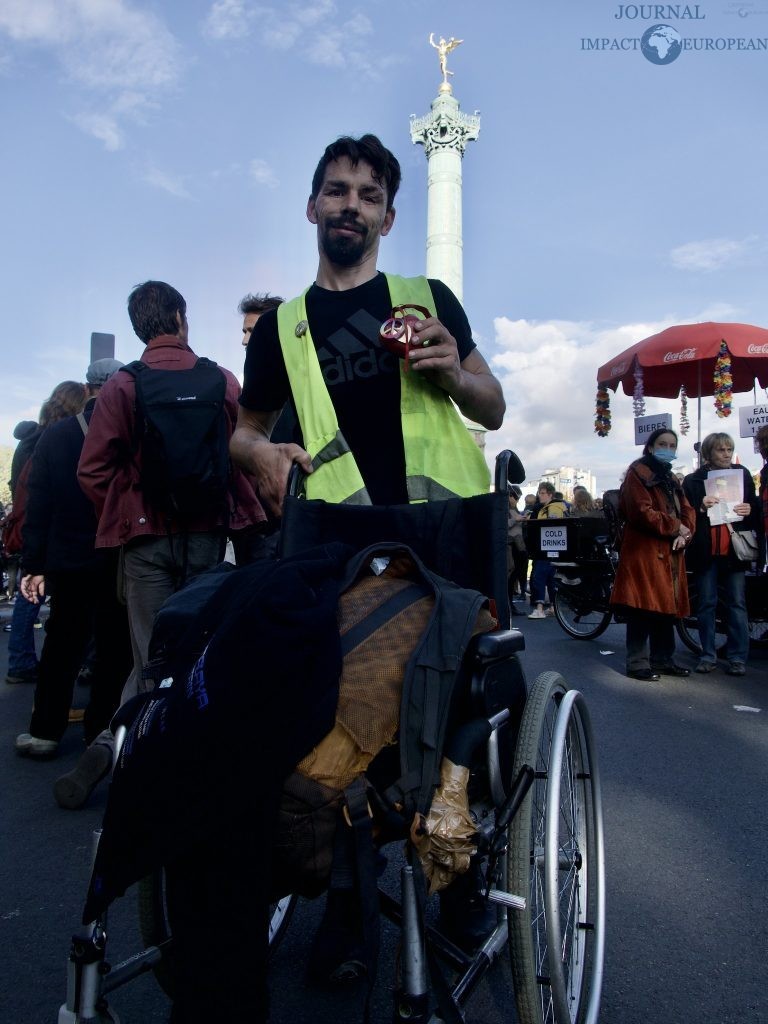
259	303
386	169
152	307
547	486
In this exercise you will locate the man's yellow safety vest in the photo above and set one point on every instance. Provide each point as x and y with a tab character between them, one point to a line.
441	458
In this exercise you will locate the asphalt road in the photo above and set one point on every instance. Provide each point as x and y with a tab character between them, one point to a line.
685	776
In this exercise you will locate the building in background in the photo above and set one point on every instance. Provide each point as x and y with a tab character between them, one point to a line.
566	478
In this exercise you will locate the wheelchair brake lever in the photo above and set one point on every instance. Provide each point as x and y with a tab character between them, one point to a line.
511	805
498	841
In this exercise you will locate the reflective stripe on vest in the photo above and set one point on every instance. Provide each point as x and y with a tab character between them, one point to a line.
441	458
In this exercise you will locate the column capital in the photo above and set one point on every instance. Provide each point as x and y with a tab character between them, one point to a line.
446	127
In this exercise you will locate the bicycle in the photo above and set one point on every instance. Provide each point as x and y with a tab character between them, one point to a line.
586	569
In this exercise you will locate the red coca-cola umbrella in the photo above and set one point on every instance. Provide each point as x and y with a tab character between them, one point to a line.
704	359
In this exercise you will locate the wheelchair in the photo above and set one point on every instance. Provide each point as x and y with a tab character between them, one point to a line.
534	796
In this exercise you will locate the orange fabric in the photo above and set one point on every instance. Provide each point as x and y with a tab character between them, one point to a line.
650	575
721	541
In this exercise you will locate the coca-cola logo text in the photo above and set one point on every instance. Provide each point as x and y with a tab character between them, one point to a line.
618	368
680	357
757	350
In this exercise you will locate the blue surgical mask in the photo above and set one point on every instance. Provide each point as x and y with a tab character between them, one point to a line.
665	455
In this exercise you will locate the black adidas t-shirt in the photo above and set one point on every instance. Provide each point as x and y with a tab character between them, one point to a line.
362	378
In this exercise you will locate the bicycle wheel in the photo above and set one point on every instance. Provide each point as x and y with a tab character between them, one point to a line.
556	859
583	611
155	928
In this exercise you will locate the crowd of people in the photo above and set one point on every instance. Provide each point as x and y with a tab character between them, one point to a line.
711	523
117	502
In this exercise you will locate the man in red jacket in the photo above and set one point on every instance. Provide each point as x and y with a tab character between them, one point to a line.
158	552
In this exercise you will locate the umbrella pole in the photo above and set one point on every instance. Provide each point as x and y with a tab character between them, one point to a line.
698	429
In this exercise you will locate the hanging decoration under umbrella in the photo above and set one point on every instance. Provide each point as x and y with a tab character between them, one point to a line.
685	424
602	413
723	381
638	396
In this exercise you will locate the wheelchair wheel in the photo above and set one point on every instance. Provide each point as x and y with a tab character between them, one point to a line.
582	616
556	860
155	928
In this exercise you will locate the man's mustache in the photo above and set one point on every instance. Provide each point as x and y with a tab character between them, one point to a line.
348	225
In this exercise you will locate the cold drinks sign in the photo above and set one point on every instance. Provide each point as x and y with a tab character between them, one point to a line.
554	539
645	425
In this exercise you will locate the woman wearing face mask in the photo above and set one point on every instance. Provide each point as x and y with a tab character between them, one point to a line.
650	589
712	559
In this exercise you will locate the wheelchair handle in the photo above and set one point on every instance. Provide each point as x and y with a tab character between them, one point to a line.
509	470
296	478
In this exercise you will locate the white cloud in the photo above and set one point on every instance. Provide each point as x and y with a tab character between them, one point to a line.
102	127
167	183
710	254
227	19
125	59
262	173
548	370
324	36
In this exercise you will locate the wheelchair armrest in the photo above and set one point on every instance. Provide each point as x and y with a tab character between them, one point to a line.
502	643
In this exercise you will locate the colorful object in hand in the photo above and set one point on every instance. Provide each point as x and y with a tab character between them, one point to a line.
603	413
685	424
397	334
723	381
638	398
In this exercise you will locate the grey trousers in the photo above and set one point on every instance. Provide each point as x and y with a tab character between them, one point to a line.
152	569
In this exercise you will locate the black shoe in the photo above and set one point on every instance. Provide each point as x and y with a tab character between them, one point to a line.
735	668
337	956
646	674
28	675
672	670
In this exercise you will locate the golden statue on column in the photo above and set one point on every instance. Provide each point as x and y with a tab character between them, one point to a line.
443	48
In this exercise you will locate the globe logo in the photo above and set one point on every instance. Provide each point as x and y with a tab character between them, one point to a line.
661	44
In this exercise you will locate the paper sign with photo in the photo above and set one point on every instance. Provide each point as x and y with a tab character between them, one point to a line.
727	485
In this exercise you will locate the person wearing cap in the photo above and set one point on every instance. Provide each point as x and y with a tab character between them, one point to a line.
60	561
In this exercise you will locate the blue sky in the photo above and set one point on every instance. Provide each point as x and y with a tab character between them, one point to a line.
606	197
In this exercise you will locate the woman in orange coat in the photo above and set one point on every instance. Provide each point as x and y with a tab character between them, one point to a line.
650	589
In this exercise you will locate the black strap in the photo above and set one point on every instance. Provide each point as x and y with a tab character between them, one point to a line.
395	604
356	798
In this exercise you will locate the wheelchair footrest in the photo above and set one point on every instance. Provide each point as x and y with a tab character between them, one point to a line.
507	899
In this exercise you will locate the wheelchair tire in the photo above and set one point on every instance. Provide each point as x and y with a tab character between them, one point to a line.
556	860
155	928
579	619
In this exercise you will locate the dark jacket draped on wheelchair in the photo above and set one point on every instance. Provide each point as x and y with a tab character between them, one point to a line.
216	745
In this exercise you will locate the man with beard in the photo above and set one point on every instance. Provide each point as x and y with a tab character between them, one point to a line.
374	430
365	436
